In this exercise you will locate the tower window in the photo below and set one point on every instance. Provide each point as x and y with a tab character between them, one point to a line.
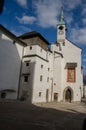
26	78
41	78
63	43
60	47
30	47
41	66
27	63
48	69
47	79
39	94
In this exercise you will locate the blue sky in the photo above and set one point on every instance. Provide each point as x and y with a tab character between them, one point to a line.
21	16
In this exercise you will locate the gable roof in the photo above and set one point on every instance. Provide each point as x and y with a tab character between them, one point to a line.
59	53
12	36
73	43
33	34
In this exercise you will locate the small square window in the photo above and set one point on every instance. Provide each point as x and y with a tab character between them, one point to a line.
48	69
39	94
41	78
63	43
30	47
41	66
26	78
27	63
47	79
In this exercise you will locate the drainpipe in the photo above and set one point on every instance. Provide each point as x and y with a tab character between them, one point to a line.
52	90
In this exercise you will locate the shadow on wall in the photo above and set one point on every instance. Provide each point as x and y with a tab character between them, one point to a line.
18	115
10	62
27	81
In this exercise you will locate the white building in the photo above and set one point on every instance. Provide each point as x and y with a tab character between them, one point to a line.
37	73
11	49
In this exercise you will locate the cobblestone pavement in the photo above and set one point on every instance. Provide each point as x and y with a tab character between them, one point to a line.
43	116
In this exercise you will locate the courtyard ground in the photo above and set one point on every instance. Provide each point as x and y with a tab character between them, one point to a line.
16	115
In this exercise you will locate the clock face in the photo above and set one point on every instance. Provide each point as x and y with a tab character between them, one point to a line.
61	32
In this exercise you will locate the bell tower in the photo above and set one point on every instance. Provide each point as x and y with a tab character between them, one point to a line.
61	29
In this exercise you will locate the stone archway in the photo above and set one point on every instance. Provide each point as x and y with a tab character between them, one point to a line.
68	94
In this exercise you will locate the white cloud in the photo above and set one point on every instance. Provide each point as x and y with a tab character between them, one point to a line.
84	69
26	19
16	33
71	4
84	21
84	11
22	3
20	30
78	35
69	18
47	12
25	29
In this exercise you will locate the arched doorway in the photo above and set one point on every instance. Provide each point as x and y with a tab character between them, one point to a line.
68	94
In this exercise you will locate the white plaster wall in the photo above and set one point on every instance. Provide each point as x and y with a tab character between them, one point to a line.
71	54
40	86
36	50
27	86
35	85
27	50
61	37
57	75
10	62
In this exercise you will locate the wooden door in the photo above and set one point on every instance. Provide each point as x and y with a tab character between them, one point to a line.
55	97
68	95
